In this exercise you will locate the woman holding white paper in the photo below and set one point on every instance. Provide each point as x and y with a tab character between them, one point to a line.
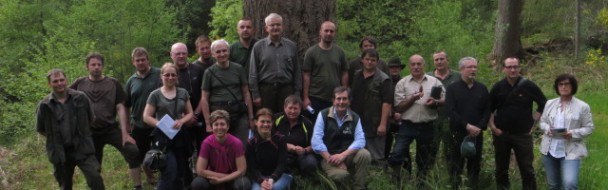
174	102
566	120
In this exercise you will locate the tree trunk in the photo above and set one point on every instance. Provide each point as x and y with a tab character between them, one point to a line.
301	18
507	42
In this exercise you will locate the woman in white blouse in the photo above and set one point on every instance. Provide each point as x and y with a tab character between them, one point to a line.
566	120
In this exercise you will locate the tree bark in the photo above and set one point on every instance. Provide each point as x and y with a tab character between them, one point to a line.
507	32
301	18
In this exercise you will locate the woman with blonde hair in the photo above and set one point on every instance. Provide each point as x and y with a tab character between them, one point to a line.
174	102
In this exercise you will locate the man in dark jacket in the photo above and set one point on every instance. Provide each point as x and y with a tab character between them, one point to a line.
64	118
511	123
468	107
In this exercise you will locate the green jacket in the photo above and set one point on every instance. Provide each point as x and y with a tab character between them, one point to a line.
48	115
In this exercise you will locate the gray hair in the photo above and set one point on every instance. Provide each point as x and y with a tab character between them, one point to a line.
462	61
218	42
271	16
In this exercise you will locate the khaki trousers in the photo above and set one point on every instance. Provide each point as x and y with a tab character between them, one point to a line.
356	163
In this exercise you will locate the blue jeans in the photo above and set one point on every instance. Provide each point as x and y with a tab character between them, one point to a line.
408	132
281	184
561	172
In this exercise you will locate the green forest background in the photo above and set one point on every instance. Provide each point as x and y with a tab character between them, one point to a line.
38	35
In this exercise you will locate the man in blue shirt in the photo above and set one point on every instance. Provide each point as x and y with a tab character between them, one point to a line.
338	137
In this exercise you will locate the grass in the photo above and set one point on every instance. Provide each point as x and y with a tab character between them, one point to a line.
24	165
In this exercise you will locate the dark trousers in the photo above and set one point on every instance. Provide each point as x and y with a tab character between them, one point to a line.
423	134
172	176
456	162
89	167
390	138
112	136
273	96
142	138
307	163
318	104
442	134
522	145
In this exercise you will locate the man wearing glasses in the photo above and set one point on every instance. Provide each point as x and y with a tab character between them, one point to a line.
511	123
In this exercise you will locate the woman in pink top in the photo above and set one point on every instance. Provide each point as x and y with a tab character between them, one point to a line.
221	161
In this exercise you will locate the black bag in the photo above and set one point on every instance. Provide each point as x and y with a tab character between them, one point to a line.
155	160
436	92
237	107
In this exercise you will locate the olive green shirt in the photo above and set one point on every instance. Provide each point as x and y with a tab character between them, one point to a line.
325	68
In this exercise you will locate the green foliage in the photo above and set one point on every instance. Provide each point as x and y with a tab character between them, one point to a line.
417	27
226	15
387	21
59	34
595	57
602	18
546	20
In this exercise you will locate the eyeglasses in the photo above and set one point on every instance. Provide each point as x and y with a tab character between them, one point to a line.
563	84
512	67
170	75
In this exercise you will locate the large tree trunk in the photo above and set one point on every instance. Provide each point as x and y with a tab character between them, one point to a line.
507	42
301	18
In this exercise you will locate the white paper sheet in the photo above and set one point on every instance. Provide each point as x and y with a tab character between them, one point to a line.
166	125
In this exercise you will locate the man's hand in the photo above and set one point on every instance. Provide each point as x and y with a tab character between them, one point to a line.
126	138
496	131
430	102
306	102
417	96
252	125
192	122
299	150
473	130
336	159
381	130
257	102
536	116
208	128
397	116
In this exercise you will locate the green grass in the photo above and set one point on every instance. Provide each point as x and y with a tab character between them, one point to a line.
24	165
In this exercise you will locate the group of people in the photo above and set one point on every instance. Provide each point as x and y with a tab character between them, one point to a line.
249	116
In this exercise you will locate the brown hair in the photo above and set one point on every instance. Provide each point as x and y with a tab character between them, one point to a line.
219	114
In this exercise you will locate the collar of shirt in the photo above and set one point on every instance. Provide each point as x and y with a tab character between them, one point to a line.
413	79
339	119
268	42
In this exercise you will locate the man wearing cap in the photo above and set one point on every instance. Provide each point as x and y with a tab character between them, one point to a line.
394	69
447	76
468	108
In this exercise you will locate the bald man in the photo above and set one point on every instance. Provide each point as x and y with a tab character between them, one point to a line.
324	69
418	111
